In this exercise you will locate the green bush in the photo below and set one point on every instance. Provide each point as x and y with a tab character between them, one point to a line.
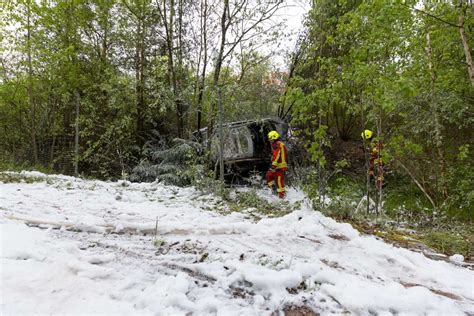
6	165
17	178
179	164
460	203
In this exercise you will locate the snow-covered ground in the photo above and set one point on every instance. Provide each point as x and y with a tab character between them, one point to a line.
90	248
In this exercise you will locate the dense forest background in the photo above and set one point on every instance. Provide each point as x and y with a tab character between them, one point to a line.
87	85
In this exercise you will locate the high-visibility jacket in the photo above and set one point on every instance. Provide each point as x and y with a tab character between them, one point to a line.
375	151
375	160
279	156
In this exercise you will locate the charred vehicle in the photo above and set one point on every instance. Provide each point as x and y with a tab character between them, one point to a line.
246	147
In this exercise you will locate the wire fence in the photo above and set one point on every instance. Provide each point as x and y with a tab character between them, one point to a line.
55	153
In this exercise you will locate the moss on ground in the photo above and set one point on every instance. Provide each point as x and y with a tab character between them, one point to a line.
459	239
15	166
250	200
18	178
408	221
450	242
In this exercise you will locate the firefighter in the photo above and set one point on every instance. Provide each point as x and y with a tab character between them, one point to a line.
374	149
279	166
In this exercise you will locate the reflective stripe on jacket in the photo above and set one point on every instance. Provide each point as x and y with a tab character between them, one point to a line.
279	156
375	152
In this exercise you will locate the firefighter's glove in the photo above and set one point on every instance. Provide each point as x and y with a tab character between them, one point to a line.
272	170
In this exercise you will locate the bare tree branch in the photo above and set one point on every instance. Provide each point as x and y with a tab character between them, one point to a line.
430	15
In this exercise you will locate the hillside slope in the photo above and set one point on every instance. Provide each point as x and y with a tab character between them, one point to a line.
90	247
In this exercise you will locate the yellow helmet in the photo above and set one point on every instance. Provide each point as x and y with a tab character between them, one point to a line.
273	135
367	134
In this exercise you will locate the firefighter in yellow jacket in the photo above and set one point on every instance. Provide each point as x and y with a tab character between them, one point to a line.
374	150
279	166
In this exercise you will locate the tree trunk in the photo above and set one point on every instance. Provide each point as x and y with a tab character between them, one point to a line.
51	155
139	11
465	45
140	79
366	156
201	80
321	185
217	69
76	135
172	74
221	136
379	204
181	105
34	146
437	128
281	105
180	44
418	184
171	67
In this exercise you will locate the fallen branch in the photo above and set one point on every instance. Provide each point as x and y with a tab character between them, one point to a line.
439	292
417	183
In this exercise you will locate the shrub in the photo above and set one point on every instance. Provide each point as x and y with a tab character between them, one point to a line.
179	164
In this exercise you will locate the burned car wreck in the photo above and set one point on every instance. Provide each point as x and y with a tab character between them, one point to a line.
247	150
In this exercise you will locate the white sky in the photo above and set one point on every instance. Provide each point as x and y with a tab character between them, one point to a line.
294	14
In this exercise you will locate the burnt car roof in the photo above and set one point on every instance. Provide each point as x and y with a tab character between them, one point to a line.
280	125
246	145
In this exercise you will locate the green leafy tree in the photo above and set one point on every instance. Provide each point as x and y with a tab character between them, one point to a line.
401	71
